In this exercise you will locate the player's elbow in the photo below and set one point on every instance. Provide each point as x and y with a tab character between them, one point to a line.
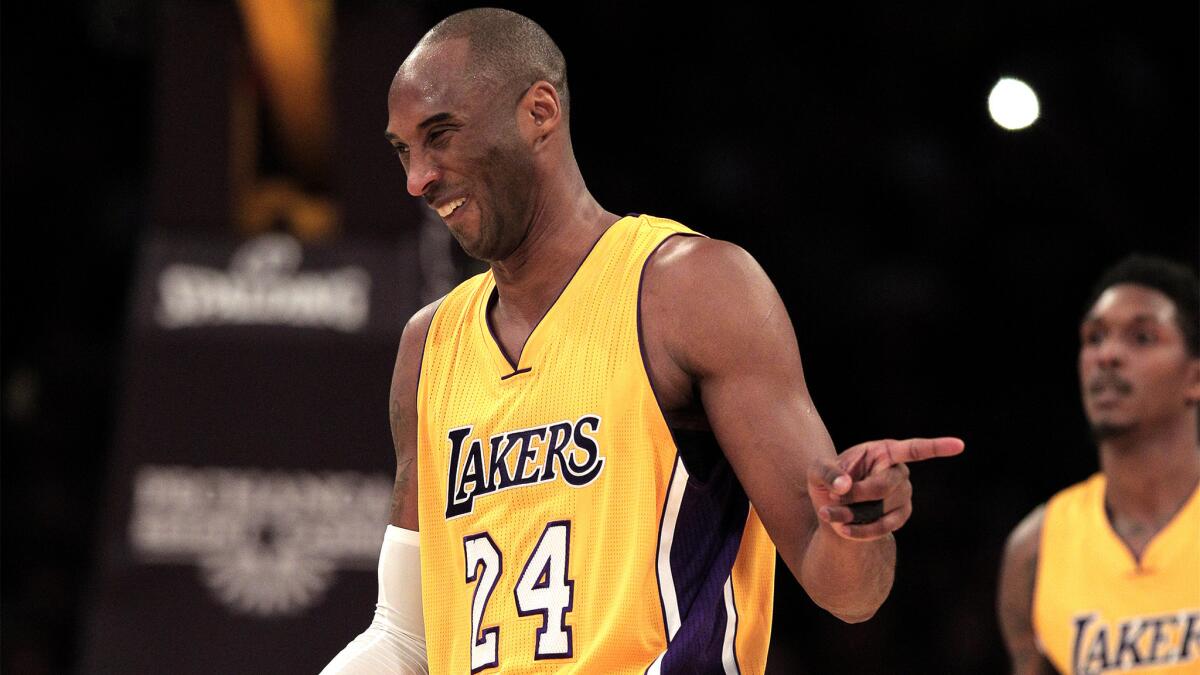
850	610
851	606
855	617
855	614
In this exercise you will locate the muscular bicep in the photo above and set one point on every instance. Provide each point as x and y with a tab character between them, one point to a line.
1014	598
728	329
402	414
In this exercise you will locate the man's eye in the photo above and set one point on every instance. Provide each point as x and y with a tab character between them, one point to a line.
438	137
1093	337
1144	337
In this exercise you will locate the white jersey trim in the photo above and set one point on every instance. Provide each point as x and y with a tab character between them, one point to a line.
666	537
729	649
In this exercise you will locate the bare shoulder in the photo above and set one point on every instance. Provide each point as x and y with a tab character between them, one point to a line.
1023	542
418	324
408	363
412	340
704	294
1014	601
686	263
1018	570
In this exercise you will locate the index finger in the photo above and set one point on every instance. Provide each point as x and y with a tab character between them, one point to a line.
920	449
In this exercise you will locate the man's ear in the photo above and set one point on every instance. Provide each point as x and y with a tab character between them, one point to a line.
1192	393
539	113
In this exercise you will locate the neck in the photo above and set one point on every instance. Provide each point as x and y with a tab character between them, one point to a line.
1151	472
566	222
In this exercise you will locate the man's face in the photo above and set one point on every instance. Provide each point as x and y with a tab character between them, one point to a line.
1134	368
457	138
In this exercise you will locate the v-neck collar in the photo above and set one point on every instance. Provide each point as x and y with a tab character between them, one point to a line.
505	366
1158	550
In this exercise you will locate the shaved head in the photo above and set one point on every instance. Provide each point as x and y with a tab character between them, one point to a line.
508	52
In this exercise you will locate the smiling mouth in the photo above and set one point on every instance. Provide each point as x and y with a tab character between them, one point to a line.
450	207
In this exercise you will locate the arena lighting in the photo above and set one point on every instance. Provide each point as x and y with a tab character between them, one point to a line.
1013	104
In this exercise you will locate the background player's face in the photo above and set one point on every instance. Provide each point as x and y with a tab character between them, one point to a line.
457	138
1134	367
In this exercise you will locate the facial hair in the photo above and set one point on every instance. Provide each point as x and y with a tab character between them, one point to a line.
1109	380
1103	430
1107	431
509	183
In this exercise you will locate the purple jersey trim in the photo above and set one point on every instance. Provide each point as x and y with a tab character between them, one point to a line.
515	372
708	535
495	294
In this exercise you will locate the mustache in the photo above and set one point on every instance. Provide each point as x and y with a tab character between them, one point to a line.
1109	381
434	193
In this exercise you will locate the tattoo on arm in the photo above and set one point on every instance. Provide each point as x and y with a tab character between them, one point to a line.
404	457
402	417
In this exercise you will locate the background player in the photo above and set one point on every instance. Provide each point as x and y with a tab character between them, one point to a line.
718	347
1106	575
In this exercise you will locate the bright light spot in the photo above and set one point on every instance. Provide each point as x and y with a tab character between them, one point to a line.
1013	104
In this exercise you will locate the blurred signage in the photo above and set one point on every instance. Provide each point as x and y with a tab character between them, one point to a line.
264	286
198	287
252	464
264	543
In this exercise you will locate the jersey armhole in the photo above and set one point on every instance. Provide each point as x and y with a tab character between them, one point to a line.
696	467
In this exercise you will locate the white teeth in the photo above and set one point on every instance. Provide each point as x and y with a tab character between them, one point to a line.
449	207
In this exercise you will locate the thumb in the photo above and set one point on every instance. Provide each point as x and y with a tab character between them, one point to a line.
826	473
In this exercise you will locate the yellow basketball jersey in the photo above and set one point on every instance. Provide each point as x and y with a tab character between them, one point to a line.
1096	609
560	529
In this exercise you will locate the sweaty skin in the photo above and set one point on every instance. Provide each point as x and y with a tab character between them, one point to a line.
720	345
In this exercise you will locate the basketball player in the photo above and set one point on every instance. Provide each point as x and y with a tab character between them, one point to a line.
1106	575
602	439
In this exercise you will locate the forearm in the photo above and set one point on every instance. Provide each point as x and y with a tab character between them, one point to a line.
394	644
850	579
380	650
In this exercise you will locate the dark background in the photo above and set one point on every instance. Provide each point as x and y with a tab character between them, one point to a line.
935	265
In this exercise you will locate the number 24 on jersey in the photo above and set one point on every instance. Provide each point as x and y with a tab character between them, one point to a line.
543	588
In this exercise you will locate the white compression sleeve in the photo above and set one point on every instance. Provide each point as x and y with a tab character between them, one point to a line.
395	641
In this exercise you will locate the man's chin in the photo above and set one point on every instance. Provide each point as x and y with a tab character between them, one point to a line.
1105	430
475	253
473	247
489	251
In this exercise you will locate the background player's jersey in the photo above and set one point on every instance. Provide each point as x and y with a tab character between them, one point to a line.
1096	609
560	529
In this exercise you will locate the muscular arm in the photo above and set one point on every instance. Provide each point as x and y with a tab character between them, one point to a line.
713	321
1014	601
402	412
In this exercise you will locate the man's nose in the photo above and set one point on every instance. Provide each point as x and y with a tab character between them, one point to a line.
422	172
1110	353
